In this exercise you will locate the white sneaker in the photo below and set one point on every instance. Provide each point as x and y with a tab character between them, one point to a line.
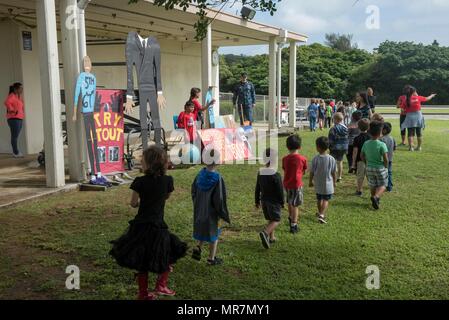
411	149
19	155
419	149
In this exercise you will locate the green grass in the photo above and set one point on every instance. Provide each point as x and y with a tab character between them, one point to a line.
407	239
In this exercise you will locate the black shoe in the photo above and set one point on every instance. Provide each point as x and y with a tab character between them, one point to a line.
196	254
265	240
375	202
294	229
359	193
215	262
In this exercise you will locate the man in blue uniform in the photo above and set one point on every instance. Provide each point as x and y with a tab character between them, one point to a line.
244	99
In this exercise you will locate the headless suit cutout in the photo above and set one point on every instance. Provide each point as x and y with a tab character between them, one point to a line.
86	88
145	55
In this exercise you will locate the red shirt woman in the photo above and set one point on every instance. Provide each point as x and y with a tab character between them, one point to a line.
15	115
195	95
410	104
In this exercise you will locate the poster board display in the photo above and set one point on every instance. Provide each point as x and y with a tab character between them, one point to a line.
230	143
109	126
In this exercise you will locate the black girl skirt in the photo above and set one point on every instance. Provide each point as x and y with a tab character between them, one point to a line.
147	248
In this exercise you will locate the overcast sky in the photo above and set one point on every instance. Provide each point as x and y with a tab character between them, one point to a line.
400	20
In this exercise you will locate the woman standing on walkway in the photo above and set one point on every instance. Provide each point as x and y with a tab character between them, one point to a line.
15	115
414	120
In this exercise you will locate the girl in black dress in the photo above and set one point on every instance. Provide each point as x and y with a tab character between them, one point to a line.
147	245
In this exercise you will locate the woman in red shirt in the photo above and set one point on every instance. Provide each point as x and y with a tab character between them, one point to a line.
15	115
195	95
410	103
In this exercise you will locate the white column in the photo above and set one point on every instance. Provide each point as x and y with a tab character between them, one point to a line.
272	83
71	62
51	97
279	84
292	99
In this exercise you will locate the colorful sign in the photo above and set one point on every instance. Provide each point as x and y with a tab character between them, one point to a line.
230	143
109	126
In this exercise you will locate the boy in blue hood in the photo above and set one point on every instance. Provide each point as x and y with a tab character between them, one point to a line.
339	142
209	206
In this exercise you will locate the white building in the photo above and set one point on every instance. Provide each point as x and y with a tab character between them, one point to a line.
45	40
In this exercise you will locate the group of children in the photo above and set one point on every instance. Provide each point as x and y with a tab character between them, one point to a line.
148	245
369	149
320	114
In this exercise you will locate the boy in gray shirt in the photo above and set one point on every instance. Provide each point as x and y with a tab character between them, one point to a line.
323	175
391	145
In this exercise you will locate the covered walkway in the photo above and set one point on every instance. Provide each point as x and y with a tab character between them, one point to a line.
63	31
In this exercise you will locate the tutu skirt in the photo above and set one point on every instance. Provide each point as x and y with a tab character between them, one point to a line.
146	247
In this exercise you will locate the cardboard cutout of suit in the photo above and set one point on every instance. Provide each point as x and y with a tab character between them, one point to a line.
145	55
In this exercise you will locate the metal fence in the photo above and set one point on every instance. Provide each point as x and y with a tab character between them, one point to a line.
260	112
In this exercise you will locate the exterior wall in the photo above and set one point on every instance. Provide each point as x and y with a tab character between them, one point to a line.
181	70
18	65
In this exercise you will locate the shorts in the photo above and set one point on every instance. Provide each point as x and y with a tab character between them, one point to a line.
377	177
295	197
324	197
361	172
338	154
271	211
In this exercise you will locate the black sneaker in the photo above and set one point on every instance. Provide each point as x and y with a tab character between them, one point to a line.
375	202
196	254
359	193
215	262
294	229
265	240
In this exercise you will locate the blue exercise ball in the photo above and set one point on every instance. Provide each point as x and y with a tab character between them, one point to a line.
190	154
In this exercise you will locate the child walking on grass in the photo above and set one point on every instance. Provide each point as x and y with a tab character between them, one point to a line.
209	205
269	194
323	176
294	166
339	142
391	145
353	132
148	246
358	165
375	155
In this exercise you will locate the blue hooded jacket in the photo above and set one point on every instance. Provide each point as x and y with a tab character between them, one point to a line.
207	180
339	137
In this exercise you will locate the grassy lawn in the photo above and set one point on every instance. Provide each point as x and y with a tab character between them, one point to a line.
407	239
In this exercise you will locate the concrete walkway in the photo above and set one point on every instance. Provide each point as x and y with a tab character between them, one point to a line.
23	179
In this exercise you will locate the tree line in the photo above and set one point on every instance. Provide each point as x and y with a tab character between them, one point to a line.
336	71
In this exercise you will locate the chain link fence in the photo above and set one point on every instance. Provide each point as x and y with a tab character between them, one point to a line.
260	112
